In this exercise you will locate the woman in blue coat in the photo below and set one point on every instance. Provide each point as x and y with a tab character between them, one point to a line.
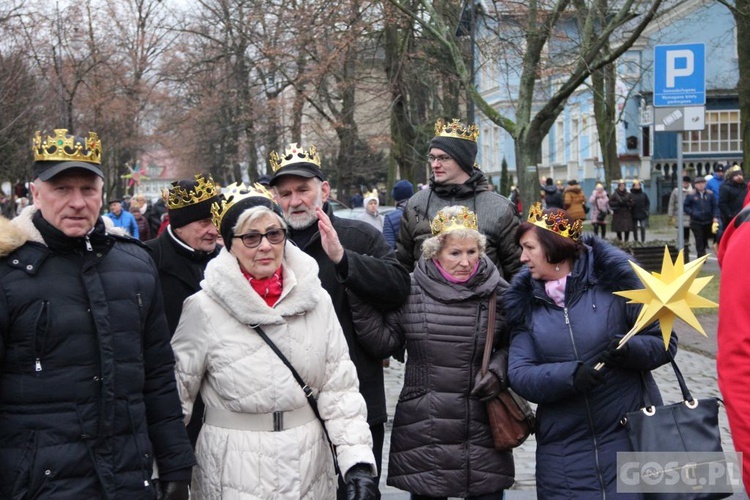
564	319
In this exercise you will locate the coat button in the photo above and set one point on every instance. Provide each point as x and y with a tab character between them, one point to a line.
29	267
96	378
98	254
15	262
47	472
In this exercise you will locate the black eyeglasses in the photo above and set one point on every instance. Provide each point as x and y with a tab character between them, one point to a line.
252	240
440	159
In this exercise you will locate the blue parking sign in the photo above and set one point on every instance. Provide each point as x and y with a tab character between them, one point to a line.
680	75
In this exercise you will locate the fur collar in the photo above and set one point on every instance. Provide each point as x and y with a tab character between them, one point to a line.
15	233
226	285
601	265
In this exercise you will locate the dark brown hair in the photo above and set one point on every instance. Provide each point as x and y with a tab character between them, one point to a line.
556	248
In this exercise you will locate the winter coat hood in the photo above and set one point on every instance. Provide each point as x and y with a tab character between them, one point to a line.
225	283
600	264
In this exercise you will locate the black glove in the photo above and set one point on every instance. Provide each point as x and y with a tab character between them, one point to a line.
614	357
486	387
175	490
360	485
586	378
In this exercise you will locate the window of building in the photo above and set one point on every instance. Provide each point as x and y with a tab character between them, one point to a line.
721	135
560	142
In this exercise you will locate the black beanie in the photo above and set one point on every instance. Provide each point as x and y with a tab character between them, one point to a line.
230	218
461	150
195	211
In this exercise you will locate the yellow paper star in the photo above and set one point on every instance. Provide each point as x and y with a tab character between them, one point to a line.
671	294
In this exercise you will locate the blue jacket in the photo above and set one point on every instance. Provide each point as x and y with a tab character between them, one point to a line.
127	221
702	208
714	183
392	223
579	434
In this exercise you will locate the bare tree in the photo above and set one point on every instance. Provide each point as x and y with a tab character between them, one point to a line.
538	24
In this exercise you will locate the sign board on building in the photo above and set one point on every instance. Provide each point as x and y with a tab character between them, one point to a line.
680	75
679	119
645	115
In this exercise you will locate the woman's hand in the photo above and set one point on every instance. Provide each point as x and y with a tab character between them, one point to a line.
614	357
586	378
486	387
360	485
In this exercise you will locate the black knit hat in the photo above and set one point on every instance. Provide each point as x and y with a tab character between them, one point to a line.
238	198
461	150
190	200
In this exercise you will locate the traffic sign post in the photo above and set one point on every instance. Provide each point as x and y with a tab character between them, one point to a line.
680	75
679	100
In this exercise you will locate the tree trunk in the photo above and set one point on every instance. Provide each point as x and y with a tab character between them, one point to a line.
603	86
742	18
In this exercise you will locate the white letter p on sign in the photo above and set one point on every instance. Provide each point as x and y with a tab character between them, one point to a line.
674	72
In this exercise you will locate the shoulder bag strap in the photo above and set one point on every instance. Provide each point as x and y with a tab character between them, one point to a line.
490	331
305	388
686	395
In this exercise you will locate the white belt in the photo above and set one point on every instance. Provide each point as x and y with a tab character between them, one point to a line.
276	421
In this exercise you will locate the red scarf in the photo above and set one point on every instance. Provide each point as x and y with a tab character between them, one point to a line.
268	288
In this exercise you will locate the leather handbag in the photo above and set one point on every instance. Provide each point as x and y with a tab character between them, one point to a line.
511	418
689	426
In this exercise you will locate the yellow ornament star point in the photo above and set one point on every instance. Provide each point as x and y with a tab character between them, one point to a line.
670	294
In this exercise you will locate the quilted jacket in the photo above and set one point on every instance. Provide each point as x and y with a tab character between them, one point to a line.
441	443
578	435
219	353
87	390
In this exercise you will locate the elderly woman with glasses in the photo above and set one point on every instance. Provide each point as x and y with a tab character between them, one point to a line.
262	437
441	445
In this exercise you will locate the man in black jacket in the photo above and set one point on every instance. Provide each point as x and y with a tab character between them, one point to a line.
352	255
88	399
182	252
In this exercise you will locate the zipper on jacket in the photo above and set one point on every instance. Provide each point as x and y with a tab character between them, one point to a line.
89	248
40	334
472	377
588	411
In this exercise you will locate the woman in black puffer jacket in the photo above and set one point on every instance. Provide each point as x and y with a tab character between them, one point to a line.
441	444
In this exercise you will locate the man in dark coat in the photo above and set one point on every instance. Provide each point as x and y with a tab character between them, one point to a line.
732	194
455	180
352	255
88	399
182	252
553	197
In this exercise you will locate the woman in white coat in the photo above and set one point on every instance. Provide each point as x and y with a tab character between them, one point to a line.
260	438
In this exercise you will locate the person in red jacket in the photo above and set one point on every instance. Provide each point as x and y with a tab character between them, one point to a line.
733	356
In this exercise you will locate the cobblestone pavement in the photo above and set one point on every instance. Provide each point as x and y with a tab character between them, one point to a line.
696	359
700	375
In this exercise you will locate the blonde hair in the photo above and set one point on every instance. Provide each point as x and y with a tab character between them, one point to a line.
432	246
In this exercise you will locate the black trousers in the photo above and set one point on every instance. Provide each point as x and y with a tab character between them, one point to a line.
702	231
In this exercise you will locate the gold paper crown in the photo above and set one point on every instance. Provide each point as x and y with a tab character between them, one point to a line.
735	168
443	223
456	129
555	221
64	147
178	197
235	193
294	154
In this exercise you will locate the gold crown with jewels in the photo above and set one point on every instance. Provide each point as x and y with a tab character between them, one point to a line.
456	129
443	223
234	194
294	154
556	221
178	197
64	147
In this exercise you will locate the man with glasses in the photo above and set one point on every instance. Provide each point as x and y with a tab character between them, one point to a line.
456	180
182	252
353	257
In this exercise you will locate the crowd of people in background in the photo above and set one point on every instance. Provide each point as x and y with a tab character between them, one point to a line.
154	358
